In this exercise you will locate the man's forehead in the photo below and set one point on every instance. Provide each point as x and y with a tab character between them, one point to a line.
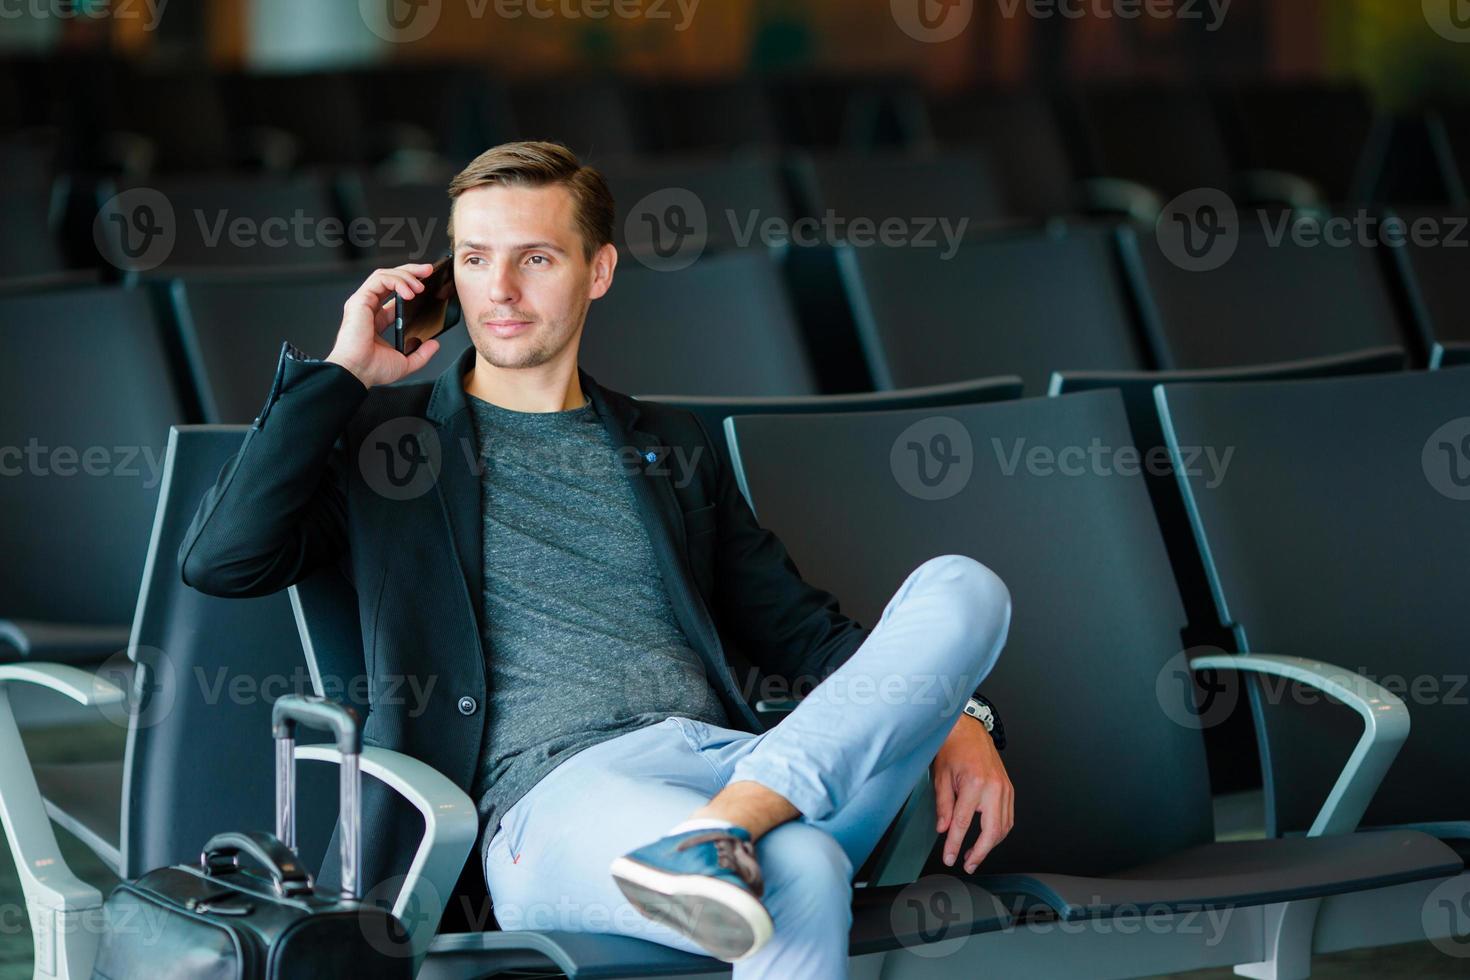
496	213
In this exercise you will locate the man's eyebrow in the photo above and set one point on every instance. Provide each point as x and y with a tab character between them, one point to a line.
524	246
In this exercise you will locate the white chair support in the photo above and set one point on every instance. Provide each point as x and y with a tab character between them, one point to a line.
1290	926
64	910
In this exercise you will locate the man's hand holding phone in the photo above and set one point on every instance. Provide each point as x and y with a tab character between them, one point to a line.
369	311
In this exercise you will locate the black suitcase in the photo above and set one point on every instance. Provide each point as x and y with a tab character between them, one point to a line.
228	920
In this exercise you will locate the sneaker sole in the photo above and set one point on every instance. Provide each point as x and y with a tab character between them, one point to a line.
726	920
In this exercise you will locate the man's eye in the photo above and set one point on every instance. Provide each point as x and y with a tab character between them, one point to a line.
537	260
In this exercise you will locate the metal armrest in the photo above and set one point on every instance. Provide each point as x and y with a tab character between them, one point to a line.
56	899
63	642
451	824
1279	187
1385	726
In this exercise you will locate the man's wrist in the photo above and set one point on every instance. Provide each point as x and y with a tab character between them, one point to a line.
351	369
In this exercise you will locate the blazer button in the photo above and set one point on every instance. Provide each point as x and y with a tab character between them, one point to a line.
467	705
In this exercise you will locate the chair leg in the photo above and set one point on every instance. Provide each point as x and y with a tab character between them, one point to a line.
1290	928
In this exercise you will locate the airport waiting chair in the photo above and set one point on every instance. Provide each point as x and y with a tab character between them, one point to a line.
1269	302
409	219
193	686
722	326
29	245
1137	389
309	119
1162	137
1341	531
589	113
161	227
704	115
89	397
731	198
231	329
1020	134
1023	304
1105	745
844	111
1431	273
915	190
1325	133
890	911
712	412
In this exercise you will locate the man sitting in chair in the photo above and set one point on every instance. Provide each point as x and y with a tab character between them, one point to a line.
562	568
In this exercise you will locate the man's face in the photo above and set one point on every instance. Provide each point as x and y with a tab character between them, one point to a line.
523	279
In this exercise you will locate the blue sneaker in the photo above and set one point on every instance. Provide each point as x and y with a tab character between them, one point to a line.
705	884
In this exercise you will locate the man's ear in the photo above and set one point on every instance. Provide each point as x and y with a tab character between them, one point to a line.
604	261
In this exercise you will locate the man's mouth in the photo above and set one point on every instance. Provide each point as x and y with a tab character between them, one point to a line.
507	327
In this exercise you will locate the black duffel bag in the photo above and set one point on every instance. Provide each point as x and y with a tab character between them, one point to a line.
259	918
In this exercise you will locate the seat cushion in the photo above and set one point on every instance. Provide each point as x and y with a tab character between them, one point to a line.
86	799
1240	873
883	919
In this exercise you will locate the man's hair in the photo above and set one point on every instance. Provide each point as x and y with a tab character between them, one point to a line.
537	164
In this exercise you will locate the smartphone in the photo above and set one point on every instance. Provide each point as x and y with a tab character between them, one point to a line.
428	314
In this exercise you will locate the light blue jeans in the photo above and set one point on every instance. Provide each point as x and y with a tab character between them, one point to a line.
846	757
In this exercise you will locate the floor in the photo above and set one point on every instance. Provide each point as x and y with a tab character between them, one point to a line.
1236	816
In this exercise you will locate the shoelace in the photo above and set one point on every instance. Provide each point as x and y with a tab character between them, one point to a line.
734	853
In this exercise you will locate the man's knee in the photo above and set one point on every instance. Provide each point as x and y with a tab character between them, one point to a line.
980	596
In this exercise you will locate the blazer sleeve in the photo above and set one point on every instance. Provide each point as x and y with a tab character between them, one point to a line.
278	510
785	626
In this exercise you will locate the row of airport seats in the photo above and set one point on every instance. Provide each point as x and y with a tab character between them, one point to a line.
1079	299
1335	539
1171	136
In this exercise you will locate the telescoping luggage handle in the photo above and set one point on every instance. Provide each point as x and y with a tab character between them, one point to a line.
317	712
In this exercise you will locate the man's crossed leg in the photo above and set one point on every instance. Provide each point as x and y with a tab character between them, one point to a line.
754	884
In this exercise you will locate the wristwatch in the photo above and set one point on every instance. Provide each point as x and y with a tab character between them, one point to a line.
983	711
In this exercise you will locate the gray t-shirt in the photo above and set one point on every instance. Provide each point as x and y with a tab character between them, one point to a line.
581	640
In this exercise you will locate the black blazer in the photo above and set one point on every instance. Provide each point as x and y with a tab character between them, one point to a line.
327	474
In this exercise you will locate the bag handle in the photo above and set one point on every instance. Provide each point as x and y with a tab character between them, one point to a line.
222	853
341	720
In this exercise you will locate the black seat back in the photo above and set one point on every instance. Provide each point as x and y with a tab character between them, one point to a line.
1022	304
734	197
1164	137
1096	615
1269	302
1434	276
722	326
1341	532
917	190
163	227
232	327
89	398
199	756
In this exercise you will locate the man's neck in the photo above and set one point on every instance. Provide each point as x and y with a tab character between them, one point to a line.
547	388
